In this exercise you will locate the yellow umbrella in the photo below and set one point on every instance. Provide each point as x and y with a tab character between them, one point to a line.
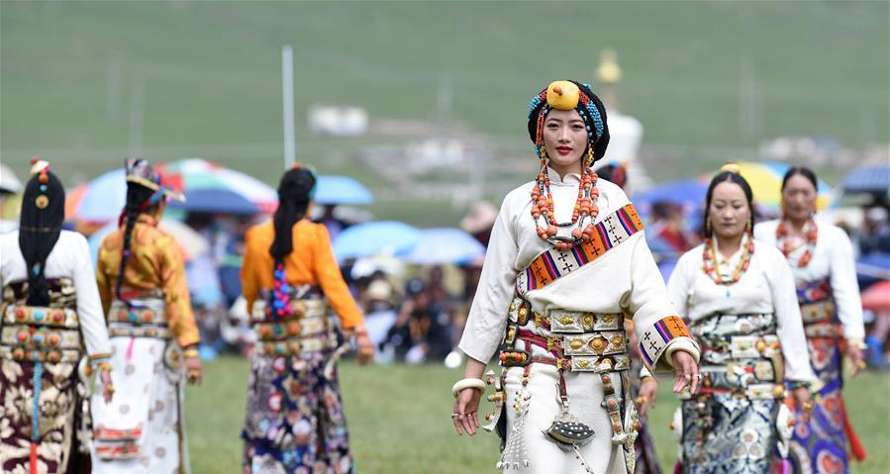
765	179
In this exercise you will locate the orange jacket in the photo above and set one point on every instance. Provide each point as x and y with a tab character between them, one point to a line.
311	263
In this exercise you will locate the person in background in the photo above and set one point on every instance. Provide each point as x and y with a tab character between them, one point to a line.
738	296
294	420
144	291
52	328
821	259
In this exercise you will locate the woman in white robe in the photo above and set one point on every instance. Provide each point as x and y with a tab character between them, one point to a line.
566	263
821	259
53	337
737	296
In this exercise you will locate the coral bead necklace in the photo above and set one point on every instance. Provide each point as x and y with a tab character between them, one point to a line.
783	237
583	214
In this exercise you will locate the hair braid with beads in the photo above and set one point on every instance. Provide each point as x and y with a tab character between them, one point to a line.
137	195
295	191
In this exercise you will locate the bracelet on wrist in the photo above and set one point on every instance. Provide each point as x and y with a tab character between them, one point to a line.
471	382
796	384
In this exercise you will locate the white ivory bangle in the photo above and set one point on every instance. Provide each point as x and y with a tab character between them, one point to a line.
460	385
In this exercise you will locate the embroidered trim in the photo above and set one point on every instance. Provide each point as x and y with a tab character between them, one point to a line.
659	335
554	264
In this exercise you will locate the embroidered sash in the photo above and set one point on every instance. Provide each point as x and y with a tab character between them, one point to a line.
554	264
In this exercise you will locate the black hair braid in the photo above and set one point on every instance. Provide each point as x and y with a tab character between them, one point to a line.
293	201
136	197
40	228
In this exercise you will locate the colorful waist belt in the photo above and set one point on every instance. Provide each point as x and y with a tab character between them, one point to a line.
818	312
574	342
142	317
41	316
826	328
40	334
306	329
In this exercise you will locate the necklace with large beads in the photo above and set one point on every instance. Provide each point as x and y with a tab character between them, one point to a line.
712	269
583	213
783	238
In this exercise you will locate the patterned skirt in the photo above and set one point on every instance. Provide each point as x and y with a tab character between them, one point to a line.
820	446
729	427
56	408
294	421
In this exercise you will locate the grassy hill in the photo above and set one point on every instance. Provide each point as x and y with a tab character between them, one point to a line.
206	75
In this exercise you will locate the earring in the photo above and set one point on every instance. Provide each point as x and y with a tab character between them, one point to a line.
589	160
708	225
543	154
748	229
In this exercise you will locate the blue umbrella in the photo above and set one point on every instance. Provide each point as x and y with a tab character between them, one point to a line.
445	245
688	193
867	179
365	240
104	197
216	201
342	190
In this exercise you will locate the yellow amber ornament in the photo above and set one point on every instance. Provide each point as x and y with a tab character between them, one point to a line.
563	95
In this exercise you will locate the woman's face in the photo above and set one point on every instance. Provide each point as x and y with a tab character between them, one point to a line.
565	138
799	198
729	210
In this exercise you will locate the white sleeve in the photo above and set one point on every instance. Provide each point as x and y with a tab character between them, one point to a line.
790	324
649	303
845	287
89	305
487	320
678	286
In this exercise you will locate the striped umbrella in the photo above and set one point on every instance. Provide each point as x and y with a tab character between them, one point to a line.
195	173
765	179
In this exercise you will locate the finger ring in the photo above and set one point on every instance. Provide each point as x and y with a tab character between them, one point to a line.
454	415
469	415
699	376
640	400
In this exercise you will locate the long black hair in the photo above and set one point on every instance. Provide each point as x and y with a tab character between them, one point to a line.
723	177
295	192
137	196
803	171
43	211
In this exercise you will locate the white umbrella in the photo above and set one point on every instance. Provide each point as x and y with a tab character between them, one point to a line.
9	182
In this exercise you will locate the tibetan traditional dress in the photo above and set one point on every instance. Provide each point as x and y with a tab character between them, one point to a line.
294	421
142	430
46	354
555	320
752	341
831	309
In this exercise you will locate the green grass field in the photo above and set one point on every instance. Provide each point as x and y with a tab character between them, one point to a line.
207	74
399	420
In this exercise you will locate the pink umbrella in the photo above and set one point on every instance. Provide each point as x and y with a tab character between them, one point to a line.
877	297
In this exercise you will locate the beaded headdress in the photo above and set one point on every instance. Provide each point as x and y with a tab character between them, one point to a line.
570	95
142	173
567	95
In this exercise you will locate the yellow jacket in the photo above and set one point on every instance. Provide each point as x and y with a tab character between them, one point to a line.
156	262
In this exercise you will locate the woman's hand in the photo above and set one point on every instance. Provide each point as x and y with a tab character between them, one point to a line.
648	395
857	358
107	386
802	400
686	372
193	370
465	414
365	347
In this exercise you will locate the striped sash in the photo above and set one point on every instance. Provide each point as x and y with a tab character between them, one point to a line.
554	264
